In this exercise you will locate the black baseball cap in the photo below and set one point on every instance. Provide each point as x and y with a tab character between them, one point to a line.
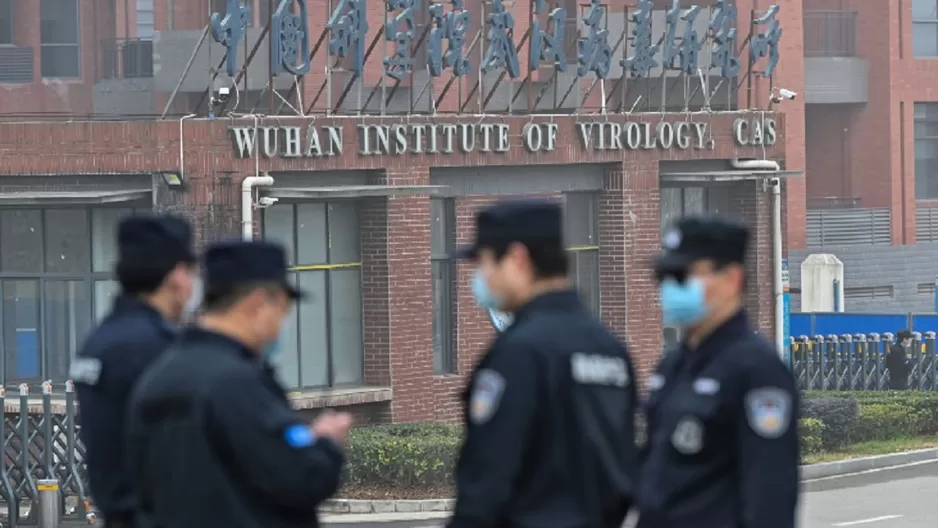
718	238
155	238
531	222
228	264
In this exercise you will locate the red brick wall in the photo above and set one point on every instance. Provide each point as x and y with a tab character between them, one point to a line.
396	231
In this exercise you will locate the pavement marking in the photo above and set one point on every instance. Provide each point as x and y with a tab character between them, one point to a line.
877	470
868	521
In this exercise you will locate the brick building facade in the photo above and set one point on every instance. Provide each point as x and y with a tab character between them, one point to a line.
393	329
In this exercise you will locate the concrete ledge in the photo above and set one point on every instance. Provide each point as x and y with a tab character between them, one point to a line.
354	506
360	511
858	465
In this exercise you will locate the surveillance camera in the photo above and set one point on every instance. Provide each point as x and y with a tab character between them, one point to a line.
775	182
266	201
787	94
221	96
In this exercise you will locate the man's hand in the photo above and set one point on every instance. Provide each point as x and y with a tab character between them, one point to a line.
332	425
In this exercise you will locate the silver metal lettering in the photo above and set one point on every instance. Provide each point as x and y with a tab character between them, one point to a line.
313	147
433	136
364	139
467	139
740	132
633	136
665	135
245	139
270	141
382	139
532	137
771	135
615	136
400	138
417	130
649	137
682	134
502	137
701	129
291	142
335	141
586	134
551	142
449	131
486	137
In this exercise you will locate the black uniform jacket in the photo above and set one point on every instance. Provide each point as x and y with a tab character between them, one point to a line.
212	442
723	442
550	424
112	359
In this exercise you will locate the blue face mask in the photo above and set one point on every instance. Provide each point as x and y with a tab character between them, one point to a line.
483	295
272	351
682	305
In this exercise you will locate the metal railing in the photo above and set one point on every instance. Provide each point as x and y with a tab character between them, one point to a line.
830	33
858	362
126	58
40	443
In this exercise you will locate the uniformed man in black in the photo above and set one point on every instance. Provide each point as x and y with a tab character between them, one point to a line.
159	284
722	411
550	407
213	439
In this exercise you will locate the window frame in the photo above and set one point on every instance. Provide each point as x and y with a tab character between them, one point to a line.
918	21
327	268
925	119
77	45
445	360
576	249
9	19
88	278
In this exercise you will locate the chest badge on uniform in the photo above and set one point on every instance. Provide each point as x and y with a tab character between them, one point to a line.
687	437
768	411
486	394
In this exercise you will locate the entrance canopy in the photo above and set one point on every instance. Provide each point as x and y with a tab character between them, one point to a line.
54	198
721	176
351	191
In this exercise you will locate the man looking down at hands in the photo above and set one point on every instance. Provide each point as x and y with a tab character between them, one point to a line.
213	439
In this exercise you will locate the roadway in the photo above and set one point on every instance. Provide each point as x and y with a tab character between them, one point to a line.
905	497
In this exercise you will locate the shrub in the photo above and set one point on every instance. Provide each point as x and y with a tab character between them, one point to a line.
840	417
884	421
811	435
922	405
402	455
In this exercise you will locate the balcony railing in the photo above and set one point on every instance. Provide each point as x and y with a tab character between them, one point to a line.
830	33
126	59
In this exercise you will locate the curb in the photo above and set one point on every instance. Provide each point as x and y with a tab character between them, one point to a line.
345	508
858	465
340	506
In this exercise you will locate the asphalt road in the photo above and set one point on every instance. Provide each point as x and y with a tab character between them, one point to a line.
896	498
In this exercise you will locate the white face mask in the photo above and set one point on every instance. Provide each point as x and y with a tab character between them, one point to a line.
195	299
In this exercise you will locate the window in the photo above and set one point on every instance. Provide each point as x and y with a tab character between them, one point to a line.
442	243
55	282
926	151
925	28
682	201
581	234
6	22
58	32
322	339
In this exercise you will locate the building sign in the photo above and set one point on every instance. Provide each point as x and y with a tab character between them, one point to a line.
755	132
316	141
786	313
350	38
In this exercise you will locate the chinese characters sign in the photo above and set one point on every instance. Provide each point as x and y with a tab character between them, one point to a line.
447	38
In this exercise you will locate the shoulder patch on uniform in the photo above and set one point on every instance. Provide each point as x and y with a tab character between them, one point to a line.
85	370
487	390
687	437
768	411
656	382
596	369
298	436
706	386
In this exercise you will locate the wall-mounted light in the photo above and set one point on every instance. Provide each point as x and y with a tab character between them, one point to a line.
173	179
